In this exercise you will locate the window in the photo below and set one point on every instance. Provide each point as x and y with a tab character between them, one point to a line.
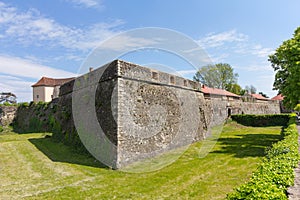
155	75
184	82
172	79
37	96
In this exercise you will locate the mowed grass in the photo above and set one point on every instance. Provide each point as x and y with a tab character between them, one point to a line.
34	167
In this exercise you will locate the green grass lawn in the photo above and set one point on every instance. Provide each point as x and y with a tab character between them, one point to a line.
34	167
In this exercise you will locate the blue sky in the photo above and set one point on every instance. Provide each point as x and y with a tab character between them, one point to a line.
53	38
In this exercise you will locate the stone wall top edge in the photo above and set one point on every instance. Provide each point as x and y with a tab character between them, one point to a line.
144	73
124	69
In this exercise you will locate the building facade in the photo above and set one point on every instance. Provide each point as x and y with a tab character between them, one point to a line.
47	89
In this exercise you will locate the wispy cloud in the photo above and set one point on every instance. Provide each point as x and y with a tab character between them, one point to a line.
16	75
18	86
233	43
31	28
19	67
123	42
185	72
256	50
260	51
220	39
263	67
87	3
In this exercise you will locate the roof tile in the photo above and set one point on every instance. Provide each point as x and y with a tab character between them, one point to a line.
216	91
45	81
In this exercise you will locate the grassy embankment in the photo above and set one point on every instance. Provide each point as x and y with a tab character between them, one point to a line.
34	167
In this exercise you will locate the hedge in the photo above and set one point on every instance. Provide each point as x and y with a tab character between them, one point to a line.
276	173
262	120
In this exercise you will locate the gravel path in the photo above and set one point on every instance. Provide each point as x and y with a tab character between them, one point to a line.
294	192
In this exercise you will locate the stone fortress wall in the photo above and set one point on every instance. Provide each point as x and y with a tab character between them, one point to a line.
129	112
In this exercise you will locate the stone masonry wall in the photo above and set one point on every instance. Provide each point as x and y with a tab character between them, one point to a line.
7	115
124	113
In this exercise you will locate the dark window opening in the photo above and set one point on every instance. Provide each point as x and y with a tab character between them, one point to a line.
184	82
155	75
229	112
172	79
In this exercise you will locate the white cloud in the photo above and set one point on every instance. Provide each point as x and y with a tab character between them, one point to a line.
15	73
186	72
123	42
233	41
19	67
220	39
21	88
87	3
258	67
260	51
31	28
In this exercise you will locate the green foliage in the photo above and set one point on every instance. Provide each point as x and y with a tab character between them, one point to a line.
235	88
35	125
55	128
297	107
216	76
286	64
42	105
263	94
8	104
24	104
275	174
262	120
1	129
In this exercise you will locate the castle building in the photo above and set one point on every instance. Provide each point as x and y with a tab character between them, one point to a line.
47	89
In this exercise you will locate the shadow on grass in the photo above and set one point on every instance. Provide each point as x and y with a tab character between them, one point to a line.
248	145
58	152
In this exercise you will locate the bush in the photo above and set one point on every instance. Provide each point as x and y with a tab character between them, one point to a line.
297	107
276	173
35	125
1	129
262	120
24	104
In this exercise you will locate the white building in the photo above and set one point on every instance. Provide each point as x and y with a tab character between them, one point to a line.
47	89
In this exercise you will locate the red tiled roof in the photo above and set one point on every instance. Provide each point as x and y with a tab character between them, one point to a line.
259	96
45	81
216	91
278	97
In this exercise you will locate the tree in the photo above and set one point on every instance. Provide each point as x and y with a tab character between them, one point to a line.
235	88
263	94
250	89
216	76
286	63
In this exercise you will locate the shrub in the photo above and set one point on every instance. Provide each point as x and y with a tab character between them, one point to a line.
24	104
297	107
275	174
35	125
1	129
262	120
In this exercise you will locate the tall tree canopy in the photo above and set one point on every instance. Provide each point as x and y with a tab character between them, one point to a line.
217	76
250	89
235	88
286	64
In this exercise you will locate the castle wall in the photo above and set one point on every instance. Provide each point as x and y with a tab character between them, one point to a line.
124	112
7	114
